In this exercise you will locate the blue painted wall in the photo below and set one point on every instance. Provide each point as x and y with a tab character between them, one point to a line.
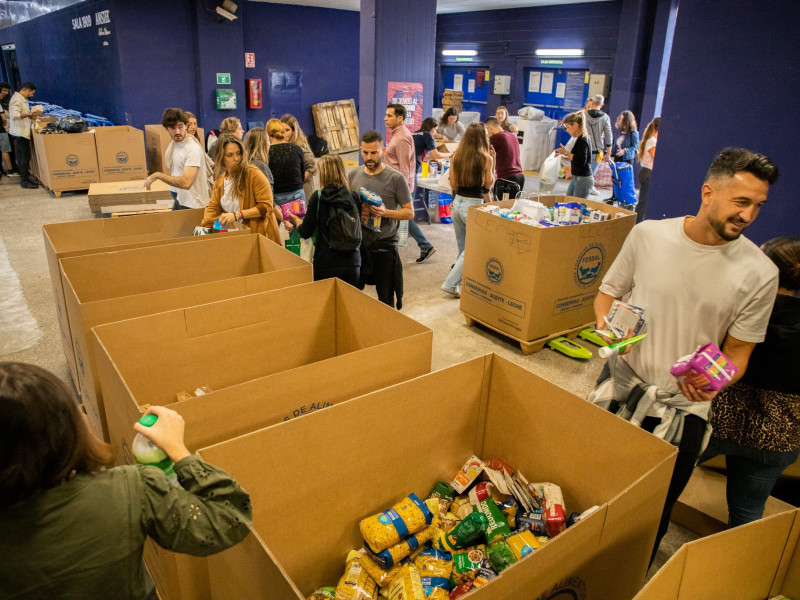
53	55
506	41
397	44
730	84
323	43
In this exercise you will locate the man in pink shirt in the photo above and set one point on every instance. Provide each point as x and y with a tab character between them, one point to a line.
401	156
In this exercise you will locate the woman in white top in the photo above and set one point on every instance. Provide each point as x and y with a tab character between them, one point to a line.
647	153
241	192
450	128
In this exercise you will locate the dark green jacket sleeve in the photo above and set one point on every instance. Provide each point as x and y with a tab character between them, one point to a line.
210	514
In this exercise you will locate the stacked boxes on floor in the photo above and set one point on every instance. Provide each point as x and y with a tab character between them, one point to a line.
149	280
313	479
65	240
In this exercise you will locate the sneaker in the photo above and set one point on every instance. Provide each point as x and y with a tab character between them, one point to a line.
455	293
425	255
11	174
29	186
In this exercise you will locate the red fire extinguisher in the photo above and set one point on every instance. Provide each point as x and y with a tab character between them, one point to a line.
254	97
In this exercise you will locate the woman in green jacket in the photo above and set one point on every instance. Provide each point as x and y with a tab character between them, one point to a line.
73	527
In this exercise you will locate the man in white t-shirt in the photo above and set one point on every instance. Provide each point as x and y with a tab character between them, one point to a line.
699	281
187	180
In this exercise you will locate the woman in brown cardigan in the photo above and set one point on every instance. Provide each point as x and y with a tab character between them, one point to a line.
241	192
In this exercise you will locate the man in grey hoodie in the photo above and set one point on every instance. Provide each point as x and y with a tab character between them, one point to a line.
598	129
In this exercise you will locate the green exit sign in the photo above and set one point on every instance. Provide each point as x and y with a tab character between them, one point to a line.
223	78
464	59
551	61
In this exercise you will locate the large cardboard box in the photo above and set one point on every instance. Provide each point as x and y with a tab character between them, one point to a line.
64	240
156	141
127	193
752	562
703	506
120	153
357	458
67	161
528	282
153	279
269	358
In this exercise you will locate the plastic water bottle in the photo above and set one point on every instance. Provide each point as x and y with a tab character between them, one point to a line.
145	452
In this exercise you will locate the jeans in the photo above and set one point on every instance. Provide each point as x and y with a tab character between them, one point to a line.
415	232
22	154
594	164
281	198
459	211
580	186
752	474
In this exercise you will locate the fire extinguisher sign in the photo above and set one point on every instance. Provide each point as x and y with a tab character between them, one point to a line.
250	60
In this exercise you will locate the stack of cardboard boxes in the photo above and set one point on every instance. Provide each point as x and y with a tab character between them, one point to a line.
452	99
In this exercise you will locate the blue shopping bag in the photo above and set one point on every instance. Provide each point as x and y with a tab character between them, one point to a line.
622	178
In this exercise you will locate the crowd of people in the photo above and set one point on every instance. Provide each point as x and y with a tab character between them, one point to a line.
698	278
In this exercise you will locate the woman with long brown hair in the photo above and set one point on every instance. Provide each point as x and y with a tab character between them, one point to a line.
334	192
627	142
647	155
74	527
294	135
471	178
241	192
256	147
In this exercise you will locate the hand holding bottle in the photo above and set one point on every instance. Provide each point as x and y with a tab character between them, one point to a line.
166	432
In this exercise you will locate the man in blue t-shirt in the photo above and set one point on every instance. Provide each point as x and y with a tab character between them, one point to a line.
424	144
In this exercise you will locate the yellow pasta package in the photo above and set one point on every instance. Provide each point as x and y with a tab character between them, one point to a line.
405	518
394	554
435	568
383	577
407	585
356	584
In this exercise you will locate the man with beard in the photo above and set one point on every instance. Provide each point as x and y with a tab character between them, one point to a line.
186	161
699	281
380	260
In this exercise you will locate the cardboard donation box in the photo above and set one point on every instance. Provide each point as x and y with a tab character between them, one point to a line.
265	359
756	561
64	240
67	161
156	141
360	457
703	506
129	194
120	153
113	286
529	282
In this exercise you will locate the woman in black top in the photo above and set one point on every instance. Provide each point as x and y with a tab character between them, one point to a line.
582	179
344	264
287	166
756	421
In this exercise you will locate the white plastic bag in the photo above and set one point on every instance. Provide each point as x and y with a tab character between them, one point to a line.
548	176
532	209
529	113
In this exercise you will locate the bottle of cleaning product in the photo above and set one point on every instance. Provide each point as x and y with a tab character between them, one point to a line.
145	452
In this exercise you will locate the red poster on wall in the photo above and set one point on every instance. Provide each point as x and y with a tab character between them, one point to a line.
410	96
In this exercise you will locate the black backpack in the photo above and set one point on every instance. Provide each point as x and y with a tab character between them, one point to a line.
344	222
318	145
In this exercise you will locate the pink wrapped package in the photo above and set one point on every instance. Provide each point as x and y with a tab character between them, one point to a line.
708	361
295	207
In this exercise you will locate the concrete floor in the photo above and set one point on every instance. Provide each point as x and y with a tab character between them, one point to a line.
25	211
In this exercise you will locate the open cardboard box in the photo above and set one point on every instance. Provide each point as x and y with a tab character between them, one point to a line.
753	562
703	508
127	193
113	286
268	357
64	240
528	282
311	481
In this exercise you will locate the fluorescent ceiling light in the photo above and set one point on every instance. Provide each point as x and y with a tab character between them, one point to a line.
559	52
459	53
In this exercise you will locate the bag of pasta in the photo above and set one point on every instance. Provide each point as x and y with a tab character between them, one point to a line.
466	563
407	585
383	577
356	584
394	554
405	518
434	568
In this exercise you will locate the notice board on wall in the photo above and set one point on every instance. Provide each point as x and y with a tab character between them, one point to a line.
564	89
472	81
